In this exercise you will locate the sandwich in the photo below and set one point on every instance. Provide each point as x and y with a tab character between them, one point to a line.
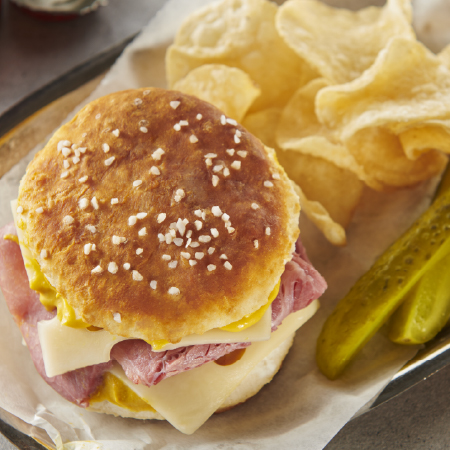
154	266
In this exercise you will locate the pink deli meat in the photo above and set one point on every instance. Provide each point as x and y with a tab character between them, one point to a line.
76	386
300	285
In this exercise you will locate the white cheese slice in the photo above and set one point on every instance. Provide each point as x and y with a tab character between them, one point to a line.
188	399
65	348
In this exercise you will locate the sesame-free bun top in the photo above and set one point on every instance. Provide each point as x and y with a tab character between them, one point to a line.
102	180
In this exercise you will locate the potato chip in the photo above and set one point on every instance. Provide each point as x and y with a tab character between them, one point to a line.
341	44
380	152
299	129
228	88
263	124
242	34
406	86
320	217
444	56
338	190
422	139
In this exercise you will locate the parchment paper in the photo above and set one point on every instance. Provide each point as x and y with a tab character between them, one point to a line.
300	408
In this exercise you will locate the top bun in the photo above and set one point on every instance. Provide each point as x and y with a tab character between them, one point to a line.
149	159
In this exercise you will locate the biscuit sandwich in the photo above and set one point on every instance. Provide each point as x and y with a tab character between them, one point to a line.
160	242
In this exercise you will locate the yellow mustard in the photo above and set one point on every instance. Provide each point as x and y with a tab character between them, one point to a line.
239	325
251	319
51	299
117	392
11	237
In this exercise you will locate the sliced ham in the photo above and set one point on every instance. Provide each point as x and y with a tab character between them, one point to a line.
300	285
76	386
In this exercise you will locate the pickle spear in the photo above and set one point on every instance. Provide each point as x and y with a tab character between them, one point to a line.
379	292
426	308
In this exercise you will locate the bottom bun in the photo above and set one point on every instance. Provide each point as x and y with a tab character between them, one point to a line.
262	374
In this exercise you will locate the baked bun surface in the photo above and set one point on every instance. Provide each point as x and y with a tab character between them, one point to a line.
102	180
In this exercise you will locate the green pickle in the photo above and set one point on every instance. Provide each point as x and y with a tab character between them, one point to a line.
426	308
379	292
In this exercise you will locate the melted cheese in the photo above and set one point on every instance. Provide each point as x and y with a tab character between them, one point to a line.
188	399
66	348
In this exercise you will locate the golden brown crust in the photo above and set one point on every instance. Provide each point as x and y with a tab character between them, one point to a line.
207	299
